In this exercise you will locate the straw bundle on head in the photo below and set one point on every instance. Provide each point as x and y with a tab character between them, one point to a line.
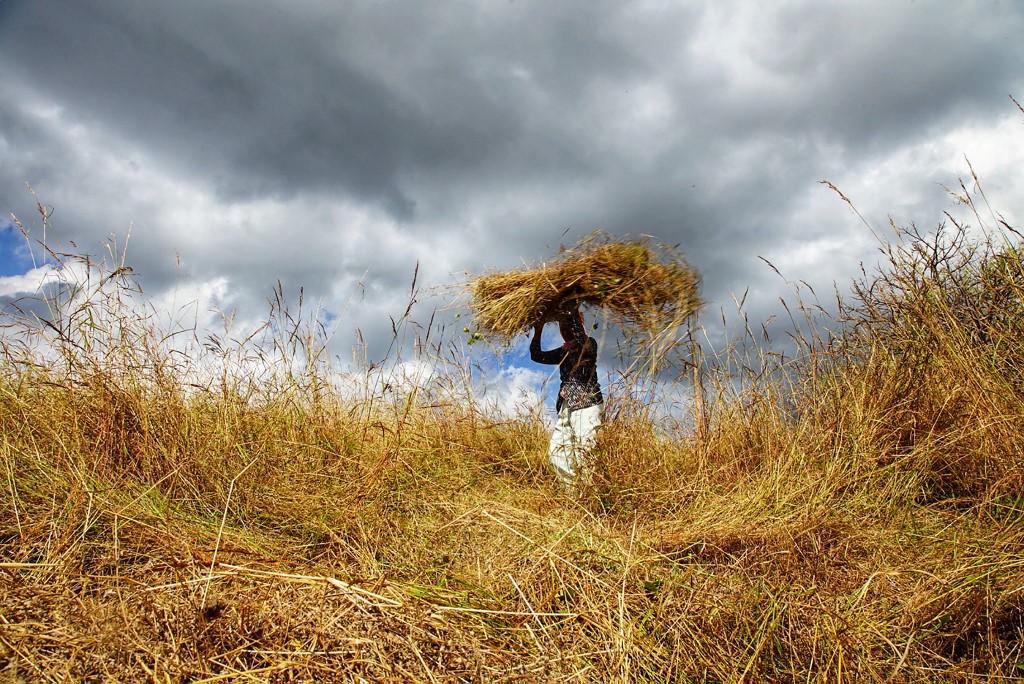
643	288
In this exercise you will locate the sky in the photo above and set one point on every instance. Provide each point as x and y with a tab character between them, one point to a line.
342	146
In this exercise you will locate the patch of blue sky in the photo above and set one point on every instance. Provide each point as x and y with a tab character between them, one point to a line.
14	255
328	319
519	353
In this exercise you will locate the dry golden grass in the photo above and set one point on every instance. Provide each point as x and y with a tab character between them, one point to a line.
853	516
642	287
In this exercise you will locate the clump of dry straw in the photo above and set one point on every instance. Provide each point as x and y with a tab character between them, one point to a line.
644	288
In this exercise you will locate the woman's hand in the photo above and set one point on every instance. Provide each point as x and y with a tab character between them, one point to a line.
537	328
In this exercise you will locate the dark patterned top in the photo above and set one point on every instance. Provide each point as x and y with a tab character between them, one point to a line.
577	369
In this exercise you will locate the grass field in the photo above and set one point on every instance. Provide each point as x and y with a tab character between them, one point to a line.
185	509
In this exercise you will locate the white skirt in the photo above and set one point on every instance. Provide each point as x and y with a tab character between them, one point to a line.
572	439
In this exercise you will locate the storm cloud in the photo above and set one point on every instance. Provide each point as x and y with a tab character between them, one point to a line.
333	146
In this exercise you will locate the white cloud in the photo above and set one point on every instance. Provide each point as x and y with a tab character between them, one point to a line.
514	391
27	283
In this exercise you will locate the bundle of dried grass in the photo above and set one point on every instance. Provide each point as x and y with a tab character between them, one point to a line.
642	287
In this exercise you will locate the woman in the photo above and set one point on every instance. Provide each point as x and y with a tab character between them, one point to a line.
579	396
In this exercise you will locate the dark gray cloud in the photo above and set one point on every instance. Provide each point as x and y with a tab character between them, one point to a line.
335	145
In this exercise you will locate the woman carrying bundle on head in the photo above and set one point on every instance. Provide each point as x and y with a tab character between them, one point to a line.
647	290
579	402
